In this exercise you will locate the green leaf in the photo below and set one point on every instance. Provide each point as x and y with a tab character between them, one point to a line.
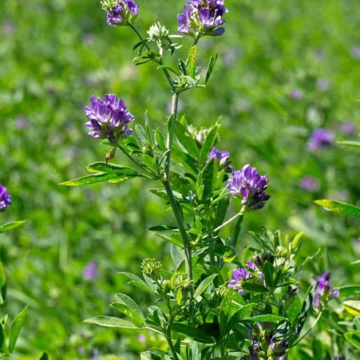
192	333
168	68
92	179
208	145
254	287
349	290
353	337
102	167
221	211
294	310
111	322
44	356
352	307
208	178
160	141
129	308
2	339
204	285
2	284
137	282
268	271
163	228
265	318
186	140
140	131
210	68
339	207
350	143
11	225
192	62
237	230
15	329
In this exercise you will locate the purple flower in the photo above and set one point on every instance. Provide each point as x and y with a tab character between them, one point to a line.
310	183
222	157
120	12
348	127
5	198
248	184
355	52
320	138
91	271
108	118
237	277
324	290
296	94
202	17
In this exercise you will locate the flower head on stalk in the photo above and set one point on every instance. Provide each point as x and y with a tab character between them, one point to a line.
324	290
202	17
5	198
239	275
108	118
320	138
222	157
120	12
248	184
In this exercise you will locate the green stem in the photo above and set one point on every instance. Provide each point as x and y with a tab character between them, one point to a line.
240	213
171	346
139	36
134	161
312	326
167	184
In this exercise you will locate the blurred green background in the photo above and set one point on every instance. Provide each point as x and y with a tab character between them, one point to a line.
285	68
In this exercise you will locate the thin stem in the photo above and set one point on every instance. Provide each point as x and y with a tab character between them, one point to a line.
167	184
139	35
240	213
171	346
312	326
160	62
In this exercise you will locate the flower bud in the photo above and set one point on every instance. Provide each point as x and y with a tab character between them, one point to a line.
151	268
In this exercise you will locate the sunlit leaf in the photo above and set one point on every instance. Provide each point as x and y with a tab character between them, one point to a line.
332	205
111	322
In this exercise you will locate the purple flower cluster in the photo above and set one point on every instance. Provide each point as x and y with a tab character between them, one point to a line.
338	358
222	157
202	17
324	290
120	12
108	118
320	138
248	184
276	348
240	275
5	198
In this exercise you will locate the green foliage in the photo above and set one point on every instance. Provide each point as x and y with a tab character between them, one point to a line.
339	207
